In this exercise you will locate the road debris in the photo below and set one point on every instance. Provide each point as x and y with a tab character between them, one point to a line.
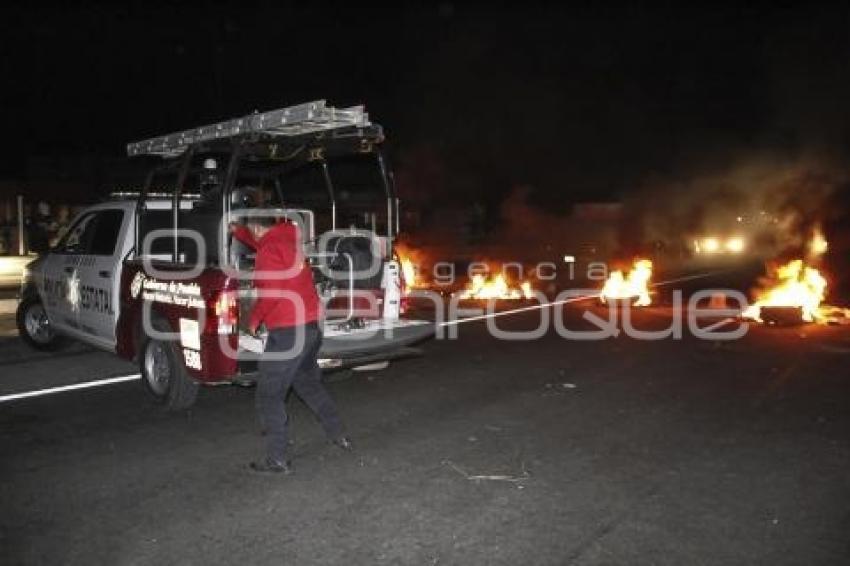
558	388
489	477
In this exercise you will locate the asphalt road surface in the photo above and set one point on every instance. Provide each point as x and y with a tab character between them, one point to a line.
483	451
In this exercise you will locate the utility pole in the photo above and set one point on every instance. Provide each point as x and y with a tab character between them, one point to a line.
21	250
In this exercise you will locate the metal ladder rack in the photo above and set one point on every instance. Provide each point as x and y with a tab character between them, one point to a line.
307	118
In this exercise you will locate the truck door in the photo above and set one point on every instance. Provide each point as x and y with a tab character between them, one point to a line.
99	272
60	284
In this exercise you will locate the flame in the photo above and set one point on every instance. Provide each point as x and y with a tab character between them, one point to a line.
796	285
497	287
410	260
634	285
409	272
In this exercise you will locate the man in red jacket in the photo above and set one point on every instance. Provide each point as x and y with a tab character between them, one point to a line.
289	308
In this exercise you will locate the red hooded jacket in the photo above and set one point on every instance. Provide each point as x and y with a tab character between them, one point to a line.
280	266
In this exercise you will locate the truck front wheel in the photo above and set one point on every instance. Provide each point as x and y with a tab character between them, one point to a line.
34	325
165	377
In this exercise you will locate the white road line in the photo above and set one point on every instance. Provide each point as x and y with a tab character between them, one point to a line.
85	385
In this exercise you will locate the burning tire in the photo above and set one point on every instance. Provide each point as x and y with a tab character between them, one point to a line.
164	376
782	316
34	326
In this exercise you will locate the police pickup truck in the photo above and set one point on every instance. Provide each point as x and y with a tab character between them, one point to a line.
156	277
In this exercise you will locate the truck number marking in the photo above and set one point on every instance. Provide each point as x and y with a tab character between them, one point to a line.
190	336
193	358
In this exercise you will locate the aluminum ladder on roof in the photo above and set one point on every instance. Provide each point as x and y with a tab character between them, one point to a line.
307	118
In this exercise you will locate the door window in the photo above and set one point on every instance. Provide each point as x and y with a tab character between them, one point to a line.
106	231
77	238
95	233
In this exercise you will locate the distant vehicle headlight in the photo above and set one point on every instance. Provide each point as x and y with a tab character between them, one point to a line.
735	245
710	245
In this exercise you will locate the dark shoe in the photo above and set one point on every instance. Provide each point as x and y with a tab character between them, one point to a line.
345	443
271	466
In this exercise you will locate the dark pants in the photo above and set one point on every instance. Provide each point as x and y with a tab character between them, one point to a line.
300	372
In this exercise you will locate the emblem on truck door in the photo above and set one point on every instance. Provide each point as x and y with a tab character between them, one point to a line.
73	292
136	284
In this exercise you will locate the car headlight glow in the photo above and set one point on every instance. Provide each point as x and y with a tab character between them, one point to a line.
710	245
735	245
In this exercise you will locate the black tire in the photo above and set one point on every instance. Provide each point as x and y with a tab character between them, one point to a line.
34	326
164	375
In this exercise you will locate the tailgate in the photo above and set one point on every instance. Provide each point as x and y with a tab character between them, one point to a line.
371	338
375	337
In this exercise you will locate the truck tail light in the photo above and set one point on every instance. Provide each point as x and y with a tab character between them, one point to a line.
404	301
225	309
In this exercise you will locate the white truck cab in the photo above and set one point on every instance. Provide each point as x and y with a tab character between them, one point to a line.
78	290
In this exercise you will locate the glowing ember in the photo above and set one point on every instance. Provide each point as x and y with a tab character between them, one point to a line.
794	285
818	245
494	288
635	285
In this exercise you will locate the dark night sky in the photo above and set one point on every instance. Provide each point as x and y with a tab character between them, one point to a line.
580	103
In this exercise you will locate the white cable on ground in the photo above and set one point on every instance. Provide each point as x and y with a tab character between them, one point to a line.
565	301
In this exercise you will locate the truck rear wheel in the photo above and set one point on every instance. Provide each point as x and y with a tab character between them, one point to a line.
165	377
34	326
